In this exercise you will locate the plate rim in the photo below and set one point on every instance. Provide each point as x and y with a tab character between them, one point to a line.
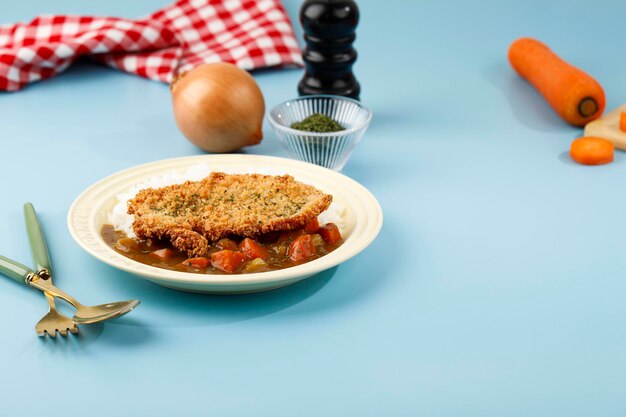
154	274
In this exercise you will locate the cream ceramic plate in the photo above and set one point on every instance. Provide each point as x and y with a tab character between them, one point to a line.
362	216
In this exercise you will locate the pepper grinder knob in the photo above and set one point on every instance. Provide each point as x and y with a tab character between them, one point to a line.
329	31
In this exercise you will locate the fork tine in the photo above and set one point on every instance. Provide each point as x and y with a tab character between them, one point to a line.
54	322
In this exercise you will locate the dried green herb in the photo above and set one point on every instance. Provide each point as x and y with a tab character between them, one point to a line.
318	123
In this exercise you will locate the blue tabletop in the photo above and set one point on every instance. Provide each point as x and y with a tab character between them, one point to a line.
495	287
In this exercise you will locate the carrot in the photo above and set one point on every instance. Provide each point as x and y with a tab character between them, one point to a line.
198	262
574	95
253	250
301	248
622	122
227	260
330	232
590	150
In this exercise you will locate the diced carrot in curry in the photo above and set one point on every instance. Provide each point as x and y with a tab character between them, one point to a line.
165	253
312	225
227	260
330	233
198	262
253	250
301	248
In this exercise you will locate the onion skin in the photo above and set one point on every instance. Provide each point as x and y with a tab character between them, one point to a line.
218	107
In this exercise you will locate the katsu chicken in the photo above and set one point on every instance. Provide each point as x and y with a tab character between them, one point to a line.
195	213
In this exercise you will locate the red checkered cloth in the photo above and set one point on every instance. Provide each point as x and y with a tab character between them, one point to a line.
251	34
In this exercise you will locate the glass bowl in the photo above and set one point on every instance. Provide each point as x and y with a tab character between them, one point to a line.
330	150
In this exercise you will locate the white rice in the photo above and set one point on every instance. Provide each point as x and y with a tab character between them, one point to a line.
122	221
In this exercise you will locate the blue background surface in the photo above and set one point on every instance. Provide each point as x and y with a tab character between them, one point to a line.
495	288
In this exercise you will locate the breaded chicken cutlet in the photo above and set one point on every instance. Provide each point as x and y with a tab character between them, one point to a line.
195	213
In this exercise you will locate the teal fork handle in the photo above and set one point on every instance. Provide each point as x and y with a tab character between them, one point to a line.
14	269
38	245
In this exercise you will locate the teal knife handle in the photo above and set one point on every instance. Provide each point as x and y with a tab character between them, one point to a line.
38	245
14	270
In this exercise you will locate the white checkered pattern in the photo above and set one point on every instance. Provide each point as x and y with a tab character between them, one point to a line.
249	33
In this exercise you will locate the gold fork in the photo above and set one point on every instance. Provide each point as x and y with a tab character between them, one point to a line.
54	322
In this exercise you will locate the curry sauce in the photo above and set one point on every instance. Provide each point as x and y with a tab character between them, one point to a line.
232	255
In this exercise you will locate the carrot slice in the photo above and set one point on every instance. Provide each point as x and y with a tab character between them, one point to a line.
622	122
253	250
227	260
592	151
330	233
198	262
301	248
575	96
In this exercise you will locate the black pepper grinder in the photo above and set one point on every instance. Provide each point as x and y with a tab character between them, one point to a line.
328	56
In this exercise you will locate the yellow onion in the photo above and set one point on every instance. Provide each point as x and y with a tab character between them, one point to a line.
218	107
